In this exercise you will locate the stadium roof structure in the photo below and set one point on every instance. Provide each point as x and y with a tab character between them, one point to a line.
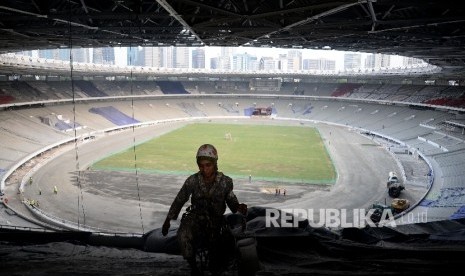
430	30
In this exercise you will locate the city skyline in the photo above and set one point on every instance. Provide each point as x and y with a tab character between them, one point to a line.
230	58
212	52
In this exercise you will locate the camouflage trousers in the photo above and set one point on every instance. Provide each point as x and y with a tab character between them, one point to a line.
198	231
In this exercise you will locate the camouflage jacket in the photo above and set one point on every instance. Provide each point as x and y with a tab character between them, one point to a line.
212	200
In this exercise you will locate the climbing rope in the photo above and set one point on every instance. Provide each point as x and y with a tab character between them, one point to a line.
79	178
134	140
80	198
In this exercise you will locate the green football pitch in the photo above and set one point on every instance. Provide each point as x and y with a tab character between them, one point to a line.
275	153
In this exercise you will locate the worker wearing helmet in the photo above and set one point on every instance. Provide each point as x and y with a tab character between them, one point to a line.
210	191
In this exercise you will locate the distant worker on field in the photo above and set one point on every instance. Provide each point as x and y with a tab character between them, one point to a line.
30	180
55	189
210	191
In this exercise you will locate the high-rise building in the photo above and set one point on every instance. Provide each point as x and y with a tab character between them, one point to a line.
310	64
282	62
268	63
319	64
198	58
294	60
377	61
104	55
180	57
135	56
152	57
370	61
79	55
167	57
63	54
244	62
214	63
328	64
383	60
410	61
49	54
352	61
225	58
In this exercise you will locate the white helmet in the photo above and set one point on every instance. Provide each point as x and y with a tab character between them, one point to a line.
208	151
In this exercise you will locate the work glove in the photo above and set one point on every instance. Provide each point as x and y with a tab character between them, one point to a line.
242	208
